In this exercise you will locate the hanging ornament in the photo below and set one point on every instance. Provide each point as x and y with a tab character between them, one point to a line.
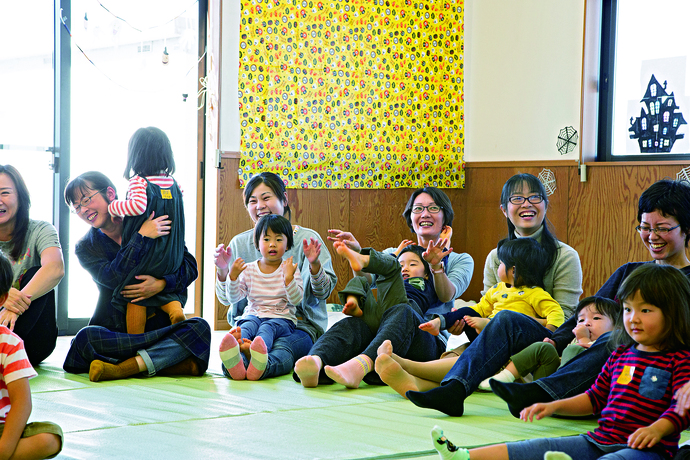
548	180
86	21
683	175
166	56
567	140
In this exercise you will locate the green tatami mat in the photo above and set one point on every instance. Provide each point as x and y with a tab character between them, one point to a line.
211	417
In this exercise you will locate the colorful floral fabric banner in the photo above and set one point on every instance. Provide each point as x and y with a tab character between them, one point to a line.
353	93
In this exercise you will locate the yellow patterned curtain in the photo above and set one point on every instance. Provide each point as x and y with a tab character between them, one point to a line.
353	93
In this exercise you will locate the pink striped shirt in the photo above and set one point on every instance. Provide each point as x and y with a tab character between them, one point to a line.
266	293
14	365
135	204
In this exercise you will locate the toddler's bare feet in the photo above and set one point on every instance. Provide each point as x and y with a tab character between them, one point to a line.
394	376
237	333
357	261
386	348
351	308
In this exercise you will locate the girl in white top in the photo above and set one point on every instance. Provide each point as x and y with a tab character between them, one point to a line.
273	288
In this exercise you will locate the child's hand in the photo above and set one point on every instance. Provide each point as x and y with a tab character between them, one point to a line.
346	237
238	267
434	253
8	319
645	437
538	411
153	228
289	270
581	333
351	307
403	244
312	251
548	340
476	323
682	398
432	327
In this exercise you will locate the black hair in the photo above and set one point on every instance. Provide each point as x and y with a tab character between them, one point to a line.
21	219
149	154
672	199
602	305
277	224
515	185
6	275
528	258
668	289
419	251
87	183
439	197
272	181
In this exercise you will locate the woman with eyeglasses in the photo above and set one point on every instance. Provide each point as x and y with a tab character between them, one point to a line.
103	348
351	346
34	249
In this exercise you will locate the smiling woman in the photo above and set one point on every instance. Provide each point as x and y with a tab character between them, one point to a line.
34	250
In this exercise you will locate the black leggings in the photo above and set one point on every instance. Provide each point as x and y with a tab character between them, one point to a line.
37	326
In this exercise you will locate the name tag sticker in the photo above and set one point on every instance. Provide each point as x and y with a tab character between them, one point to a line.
165	194
626	375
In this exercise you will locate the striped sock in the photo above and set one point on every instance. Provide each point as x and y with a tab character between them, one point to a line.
259	353
230	355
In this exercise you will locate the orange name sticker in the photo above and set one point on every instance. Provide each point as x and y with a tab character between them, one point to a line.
626	375
165	194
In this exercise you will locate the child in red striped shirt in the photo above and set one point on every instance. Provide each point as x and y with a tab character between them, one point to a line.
273	288
635	390
152	192
17	438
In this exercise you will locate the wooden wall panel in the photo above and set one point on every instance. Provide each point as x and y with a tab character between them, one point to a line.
603	217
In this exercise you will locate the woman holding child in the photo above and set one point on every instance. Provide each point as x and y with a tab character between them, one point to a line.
524	203
346	352
264	195
104	349
33	248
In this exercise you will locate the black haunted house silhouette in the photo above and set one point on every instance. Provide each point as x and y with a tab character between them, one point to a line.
656	129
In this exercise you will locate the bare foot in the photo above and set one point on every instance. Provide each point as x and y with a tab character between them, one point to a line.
394	376
351	308
386	348
237	333
244	347
357	261
308	369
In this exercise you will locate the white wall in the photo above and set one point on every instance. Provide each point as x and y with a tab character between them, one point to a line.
523	69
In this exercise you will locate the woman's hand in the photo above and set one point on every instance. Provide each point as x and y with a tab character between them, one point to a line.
238	267
403	244
17	302
345	237
153	228
434	253
457	327
289	270
8	318
148	287
312	251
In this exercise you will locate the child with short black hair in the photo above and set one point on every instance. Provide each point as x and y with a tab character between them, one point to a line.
522	268
273	288
595	317
17	438
635	390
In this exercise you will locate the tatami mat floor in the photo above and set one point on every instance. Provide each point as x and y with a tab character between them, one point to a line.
211	417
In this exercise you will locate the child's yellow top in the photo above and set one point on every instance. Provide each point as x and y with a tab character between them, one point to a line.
531	301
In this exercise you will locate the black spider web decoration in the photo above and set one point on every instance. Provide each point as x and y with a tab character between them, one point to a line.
567	140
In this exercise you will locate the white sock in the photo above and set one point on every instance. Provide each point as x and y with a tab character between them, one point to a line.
504	376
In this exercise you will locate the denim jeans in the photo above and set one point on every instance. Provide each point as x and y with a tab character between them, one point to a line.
162	355
268	328
286	351
351	336
578	374
506	334
579	447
